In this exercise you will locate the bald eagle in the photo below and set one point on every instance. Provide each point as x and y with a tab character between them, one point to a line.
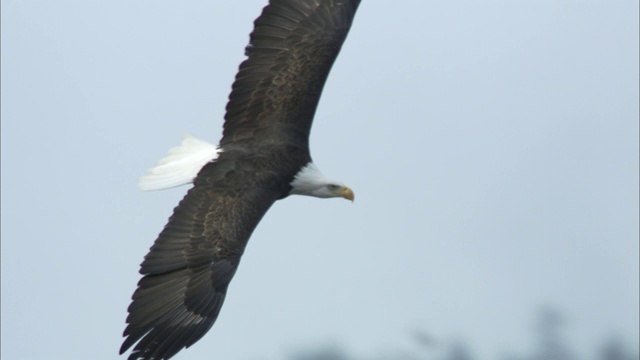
263	156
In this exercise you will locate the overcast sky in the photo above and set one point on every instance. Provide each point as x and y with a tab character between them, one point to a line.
492	146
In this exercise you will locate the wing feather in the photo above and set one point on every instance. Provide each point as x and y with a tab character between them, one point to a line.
291	51
189	267
265	143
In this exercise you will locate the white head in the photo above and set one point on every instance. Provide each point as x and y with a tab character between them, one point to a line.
310	181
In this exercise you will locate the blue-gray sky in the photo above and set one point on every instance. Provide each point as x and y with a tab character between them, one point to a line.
492	147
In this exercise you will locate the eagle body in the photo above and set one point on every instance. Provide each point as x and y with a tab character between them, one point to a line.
263	156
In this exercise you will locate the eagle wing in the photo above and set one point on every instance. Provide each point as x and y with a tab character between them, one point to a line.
189	267
264	143
277	88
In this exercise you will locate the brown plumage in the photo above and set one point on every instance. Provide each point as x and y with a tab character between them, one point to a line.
265	144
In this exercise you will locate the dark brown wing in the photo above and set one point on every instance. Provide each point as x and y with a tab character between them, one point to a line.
277	89
189	267
265	142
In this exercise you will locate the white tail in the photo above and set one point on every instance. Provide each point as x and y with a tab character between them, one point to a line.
180	166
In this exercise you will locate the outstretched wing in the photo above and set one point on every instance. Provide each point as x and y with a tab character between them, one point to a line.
189	267
291	51
264	144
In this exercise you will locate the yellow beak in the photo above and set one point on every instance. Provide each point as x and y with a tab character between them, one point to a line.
347	193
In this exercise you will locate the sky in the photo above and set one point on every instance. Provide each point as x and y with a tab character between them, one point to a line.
492	147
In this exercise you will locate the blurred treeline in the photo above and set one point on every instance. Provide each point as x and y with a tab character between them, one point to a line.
548	343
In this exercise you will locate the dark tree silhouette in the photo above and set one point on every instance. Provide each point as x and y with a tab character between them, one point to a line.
551	343
614	349
458	351
323	353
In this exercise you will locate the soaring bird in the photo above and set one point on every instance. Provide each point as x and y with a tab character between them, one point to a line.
263	156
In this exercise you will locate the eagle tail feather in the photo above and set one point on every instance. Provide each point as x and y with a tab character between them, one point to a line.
180	166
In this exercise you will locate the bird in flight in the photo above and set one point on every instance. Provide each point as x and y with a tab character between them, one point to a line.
263	156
